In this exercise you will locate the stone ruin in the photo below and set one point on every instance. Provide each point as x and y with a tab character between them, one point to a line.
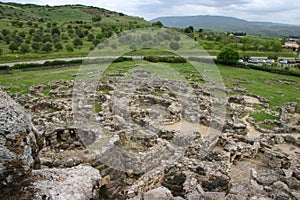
150	140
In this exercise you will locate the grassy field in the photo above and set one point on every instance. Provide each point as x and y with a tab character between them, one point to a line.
278	89
274	87
20	81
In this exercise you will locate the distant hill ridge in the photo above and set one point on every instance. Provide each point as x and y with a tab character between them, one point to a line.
230	24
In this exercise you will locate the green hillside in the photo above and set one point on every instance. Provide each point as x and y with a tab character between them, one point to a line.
31	12
30	31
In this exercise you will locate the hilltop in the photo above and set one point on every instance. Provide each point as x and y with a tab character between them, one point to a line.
64	13
229	24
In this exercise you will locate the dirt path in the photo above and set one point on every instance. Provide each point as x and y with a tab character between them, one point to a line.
188	127
252	132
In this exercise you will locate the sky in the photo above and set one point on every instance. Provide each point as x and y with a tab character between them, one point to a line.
280	11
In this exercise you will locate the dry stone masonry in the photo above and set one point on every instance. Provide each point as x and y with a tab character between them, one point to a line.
143	137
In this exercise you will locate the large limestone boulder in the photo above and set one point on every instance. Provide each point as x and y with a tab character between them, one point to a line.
161	193
18	143
77	183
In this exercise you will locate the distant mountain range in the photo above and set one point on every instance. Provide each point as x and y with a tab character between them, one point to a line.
230	24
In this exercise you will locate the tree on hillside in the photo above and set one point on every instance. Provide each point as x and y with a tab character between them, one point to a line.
77	42
79	33
24	48
36	46
158	24
38	36
58	46
69	48
55	30
70	31
96	18
5	32
47	47
18	40
6	39
47	38
91	37
13	47
22	34
189	29
228	56
96	42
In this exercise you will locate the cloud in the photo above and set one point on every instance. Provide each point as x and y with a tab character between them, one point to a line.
255	10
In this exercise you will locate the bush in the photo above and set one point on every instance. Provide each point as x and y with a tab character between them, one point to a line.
275	70
122	59
168	59
55	62
96	18
26	65
152	58
246	58
47	64
275	57
4	67
228	56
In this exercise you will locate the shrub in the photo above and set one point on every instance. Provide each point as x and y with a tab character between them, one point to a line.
26	65
54	63
4	67
122	59
168	59
96	18
47	64
228	56
246	57
275	70
275	57
151	58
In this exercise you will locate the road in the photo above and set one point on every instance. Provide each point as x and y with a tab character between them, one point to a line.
100	57
85	58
